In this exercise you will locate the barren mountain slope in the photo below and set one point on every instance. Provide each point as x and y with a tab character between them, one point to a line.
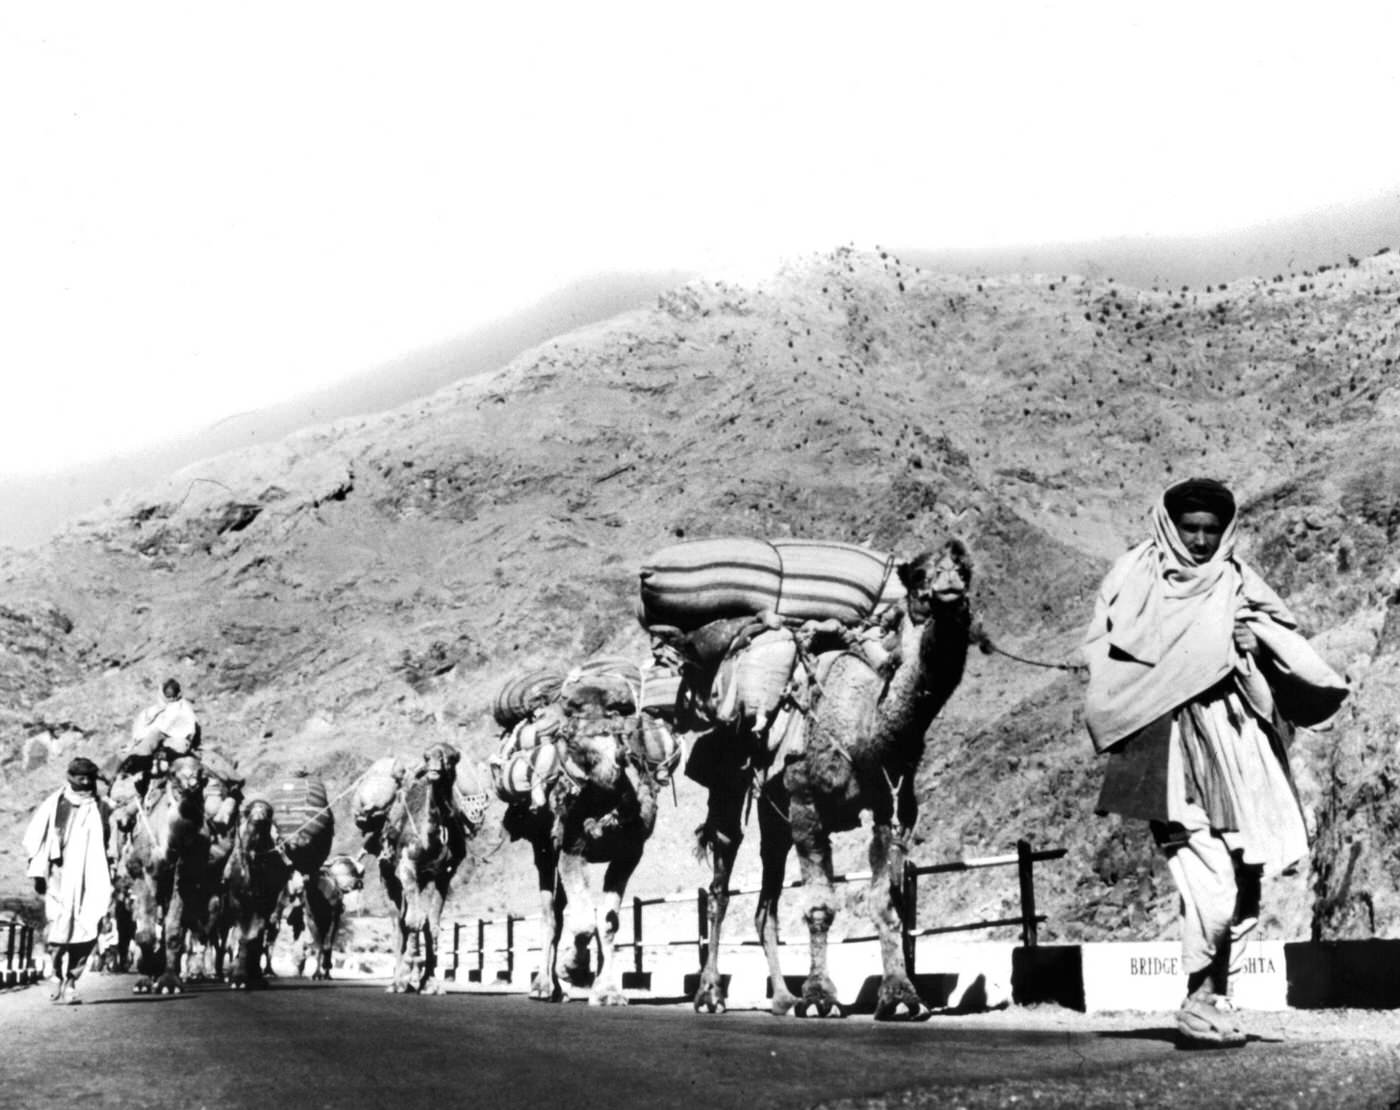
365	588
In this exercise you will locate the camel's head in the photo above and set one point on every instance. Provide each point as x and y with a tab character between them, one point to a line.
187	775
937	579
440	763
258	816
347	875
595	746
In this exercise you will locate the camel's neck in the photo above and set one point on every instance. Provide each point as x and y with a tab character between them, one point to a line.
933	655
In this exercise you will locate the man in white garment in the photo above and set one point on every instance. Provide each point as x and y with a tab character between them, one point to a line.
170	724
66	846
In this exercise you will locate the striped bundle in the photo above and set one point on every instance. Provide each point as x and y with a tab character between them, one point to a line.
302	812
660	749
690	584
519	774
661	691
520	697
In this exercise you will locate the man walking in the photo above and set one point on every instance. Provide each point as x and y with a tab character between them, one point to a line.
66	845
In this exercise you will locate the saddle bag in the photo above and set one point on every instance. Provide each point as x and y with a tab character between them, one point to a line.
305	824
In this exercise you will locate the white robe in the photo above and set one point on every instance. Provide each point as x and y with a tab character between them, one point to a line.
73	861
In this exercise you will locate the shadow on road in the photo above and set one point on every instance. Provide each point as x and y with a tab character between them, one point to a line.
1169	1036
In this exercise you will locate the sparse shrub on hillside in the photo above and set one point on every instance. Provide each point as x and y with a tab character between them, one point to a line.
419	668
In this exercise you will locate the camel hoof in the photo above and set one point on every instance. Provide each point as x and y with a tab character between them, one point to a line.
903	1011
820	1007
608	998
709	1002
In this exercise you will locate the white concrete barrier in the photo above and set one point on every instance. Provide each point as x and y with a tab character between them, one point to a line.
1148	975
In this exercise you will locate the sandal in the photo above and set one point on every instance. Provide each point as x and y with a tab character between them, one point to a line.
1209	1021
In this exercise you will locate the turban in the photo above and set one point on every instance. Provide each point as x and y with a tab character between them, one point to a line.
1198	495
81	766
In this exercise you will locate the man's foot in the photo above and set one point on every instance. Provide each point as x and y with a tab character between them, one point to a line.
56	991
1209	1020
71	996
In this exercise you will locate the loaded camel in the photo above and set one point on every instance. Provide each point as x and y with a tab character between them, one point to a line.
600	808
864	742
256	873
425	837
164	873
312	906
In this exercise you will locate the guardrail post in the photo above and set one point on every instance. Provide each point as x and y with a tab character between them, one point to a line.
1026	866
510	948
637	935
451	973
909	913
10	948
481	950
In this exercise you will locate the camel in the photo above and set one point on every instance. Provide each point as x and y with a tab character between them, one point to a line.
424	842
865	739
164	874
600	810
312	907
256	874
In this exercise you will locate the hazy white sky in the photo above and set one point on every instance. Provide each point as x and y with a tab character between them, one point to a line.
206	208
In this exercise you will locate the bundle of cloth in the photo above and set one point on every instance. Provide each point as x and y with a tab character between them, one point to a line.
633	701
750	626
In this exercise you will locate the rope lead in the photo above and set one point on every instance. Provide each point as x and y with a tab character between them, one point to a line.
984	642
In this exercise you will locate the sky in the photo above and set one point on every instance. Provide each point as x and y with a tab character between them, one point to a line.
210	208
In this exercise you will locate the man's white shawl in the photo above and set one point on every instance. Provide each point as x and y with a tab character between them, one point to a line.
1162	633
73	861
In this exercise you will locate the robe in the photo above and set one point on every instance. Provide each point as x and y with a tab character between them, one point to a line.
72	858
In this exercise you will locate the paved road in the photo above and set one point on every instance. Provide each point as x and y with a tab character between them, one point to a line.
351	1045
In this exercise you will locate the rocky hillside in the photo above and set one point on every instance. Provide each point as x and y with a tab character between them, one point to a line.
365	588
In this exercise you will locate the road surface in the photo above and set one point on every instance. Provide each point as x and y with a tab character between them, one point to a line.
351	1045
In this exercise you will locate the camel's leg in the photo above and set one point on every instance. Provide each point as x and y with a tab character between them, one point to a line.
897	1000
275	921
168	981
722	834
126	933
319	916
544	986
580	925
607	987
397	897
248	957
401	983
813	845
150	959
435	895
775	841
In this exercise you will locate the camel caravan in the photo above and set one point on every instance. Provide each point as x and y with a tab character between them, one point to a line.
204	872
805	676
792	679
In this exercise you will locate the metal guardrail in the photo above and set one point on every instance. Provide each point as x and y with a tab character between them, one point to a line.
1023	859
19	952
